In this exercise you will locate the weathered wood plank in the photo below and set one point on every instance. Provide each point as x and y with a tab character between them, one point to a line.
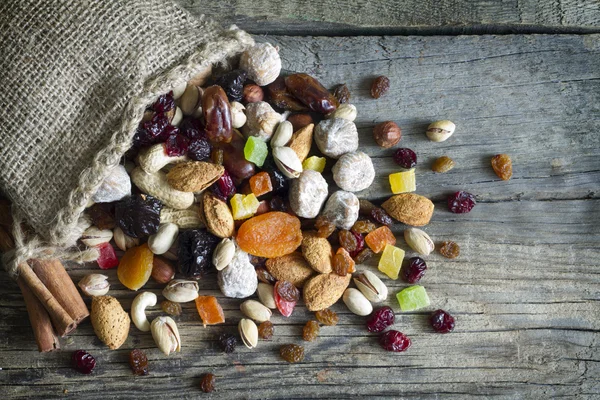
525	290
335	17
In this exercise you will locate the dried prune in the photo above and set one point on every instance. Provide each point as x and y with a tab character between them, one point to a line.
83	361
287	291
310	92
207	383
292	353
170	307
414	269
138	362
502	165
266	330
164	103
442	322
277	203
310	331
102	215
406	158
380	86
199	149
195	252
461	202
450	249
233	84
217	115
227	342
138	215
192	128
342	93
394	341
327	317
379	215
380	319
278	181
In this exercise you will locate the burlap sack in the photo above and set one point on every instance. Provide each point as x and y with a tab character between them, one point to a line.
75	78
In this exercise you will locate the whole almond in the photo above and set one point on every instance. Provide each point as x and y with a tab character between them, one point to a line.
111	323
194	176
324	290
217	216
317	252
291	267
409	208
302	141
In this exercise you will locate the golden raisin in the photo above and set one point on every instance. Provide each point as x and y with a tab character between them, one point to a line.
341	93
327	317
310	331
450	249
207	384
380	86
292	353
324	227
266	330
273	234
170	307
342	263
347	240
363	226
442	164
502	165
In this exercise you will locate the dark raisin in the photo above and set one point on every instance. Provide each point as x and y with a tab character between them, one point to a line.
83	361
287	291
233	84
327	317
380	86
461	202
227	342
380	319
442	322
292	353
177	145
264	276
450	249
279	182
414	269
379	215
102	215
341	93
310	331
394	341
195	252
406	158
192	128
207	383
199	149
138	215
138	362
164	103
266	330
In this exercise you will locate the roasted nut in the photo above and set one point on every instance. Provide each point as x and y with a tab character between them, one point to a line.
307	193
166	335
371	286
248	332
238	117
194	176
253	93
291	267
345	111
287	161
357	302
262	62
93	236
302	141
162	270
354	171
387	134
262	120
94	285
336	136
266	296
317	252
163	239
409	208
154	158
217	216
419	241
324	290
223	254
138	310
440	131
181	291
255	310
156	185
184	219
111	323
282	135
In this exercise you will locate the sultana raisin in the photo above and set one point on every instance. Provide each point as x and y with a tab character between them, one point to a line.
207	384
363	226
363	255
138	362
450	249
443	164
310	331
266	330
287	291
379	215
265	276
342	263
324	227
170	307
502	165
292	353
327	317
341	93
347	240
380	86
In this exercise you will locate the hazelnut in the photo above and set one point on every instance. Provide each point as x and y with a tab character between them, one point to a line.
252	93
162	270
387	134
300	120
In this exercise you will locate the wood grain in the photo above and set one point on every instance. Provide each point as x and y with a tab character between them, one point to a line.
525	289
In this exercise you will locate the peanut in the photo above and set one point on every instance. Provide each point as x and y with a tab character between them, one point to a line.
156	185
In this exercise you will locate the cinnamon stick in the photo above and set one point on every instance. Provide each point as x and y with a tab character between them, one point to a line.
54	276
40	321
62	321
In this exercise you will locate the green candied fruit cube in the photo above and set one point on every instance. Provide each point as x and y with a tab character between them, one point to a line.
315	163
412	298
391	261
256	151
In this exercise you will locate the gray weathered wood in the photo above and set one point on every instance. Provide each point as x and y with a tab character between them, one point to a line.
525	289
335	17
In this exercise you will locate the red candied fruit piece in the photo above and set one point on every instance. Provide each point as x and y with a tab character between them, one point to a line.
286	308
107	258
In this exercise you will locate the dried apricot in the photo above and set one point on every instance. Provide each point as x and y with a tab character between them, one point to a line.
260	184
210	310
273	234
135	267
379	238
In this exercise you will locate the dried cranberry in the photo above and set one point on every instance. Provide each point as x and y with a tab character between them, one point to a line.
195	252
379	215
149	131
224	187
394	341
192	128
442	322
199	149
380	319
406	158
164	103
167	132
233	84
360	244
177	145
413	271
461	202
138	215
83	361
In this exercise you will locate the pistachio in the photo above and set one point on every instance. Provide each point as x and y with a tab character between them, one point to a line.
371	286
440	131
161	241
166	335
238	118
419	241
255	310
357	302
223	254
94	285
189	99
287	161
181	290
266	296
248	332
93	236
345	111
282	135
123	241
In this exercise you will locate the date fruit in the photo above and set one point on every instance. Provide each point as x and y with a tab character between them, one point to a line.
310	92
217	115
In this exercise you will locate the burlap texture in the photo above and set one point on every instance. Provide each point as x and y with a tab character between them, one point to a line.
75	79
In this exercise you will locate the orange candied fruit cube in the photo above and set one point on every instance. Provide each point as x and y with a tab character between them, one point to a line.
260	183
379	238
210	310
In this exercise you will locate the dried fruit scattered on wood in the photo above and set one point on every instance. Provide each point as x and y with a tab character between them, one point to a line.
327	317
443	164
502	165
207	383
342	93
138	361
380	86
310	331
450	249
292	353
461	202
195	252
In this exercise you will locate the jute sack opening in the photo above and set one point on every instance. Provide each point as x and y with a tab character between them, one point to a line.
76	79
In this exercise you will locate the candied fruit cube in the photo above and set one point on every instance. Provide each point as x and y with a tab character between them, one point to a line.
107	258
315	163
135	267
261	184
244	206
403	182
210	310
412	298
255	151
379	238
391	261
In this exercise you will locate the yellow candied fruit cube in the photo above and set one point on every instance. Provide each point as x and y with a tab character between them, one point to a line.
244	206
315	163
403	182
391	261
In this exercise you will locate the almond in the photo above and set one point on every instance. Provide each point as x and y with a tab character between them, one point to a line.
409	208
217	216
324	290
317	251
194	176
291	267
110	321
302	141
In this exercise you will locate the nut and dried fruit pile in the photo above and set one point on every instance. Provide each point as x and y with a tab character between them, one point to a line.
223	178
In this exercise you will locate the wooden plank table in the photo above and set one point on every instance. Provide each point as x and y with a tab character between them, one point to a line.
525	289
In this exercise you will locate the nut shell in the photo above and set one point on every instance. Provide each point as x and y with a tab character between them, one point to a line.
440	131
387	134
111	323
302	141
194	176
317	252
354	171
217	216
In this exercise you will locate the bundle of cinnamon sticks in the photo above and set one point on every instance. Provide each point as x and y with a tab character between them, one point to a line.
53	303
